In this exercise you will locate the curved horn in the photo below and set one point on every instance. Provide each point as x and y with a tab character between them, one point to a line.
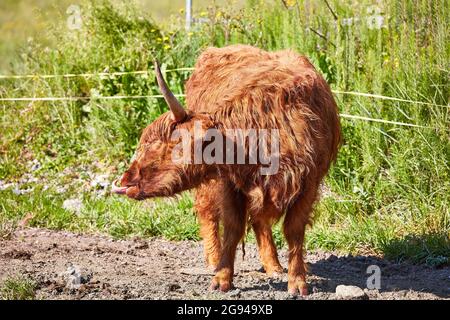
175	106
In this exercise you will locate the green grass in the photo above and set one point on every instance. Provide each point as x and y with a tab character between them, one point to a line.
25	20
18	288
117	216
390	186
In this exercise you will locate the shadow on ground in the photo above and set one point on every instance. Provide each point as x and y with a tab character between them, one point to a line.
326	274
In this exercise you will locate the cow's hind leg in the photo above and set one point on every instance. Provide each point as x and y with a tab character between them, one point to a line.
234	219
262	226
207	204
297	217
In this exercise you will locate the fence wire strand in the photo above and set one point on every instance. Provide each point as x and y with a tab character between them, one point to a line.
146	72
378	96
85	75
350	116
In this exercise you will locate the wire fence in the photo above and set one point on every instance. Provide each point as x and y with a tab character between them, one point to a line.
87	75
146	72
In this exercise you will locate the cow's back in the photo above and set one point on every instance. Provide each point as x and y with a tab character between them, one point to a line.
247	87
237	72
217	73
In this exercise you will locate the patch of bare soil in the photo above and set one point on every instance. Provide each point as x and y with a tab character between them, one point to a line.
74	266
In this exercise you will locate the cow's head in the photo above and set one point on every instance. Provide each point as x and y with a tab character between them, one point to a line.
153	171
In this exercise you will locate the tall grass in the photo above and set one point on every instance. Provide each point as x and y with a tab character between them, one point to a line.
390	187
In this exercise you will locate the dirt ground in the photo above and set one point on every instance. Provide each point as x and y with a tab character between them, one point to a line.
161	269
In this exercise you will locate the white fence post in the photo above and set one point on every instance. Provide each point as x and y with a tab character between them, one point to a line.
188	14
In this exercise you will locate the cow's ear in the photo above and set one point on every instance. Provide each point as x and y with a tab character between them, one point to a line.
177	118
173	121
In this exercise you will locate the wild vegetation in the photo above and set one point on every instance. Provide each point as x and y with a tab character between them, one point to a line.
18	288
388	193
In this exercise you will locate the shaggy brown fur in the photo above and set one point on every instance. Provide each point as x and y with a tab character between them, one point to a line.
247	88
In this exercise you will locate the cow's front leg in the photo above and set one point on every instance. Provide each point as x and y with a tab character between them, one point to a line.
234	221
209	232
208	212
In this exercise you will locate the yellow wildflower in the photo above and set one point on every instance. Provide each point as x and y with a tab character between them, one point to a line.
290	3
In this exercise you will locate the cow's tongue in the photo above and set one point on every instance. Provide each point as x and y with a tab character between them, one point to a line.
117	189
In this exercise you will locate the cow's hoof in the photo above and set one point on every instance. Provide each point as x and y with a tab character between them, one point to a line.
297	286
274	271
220	284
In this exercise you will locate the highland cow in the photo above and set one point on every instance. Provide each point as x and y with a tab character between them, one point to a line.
242	87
